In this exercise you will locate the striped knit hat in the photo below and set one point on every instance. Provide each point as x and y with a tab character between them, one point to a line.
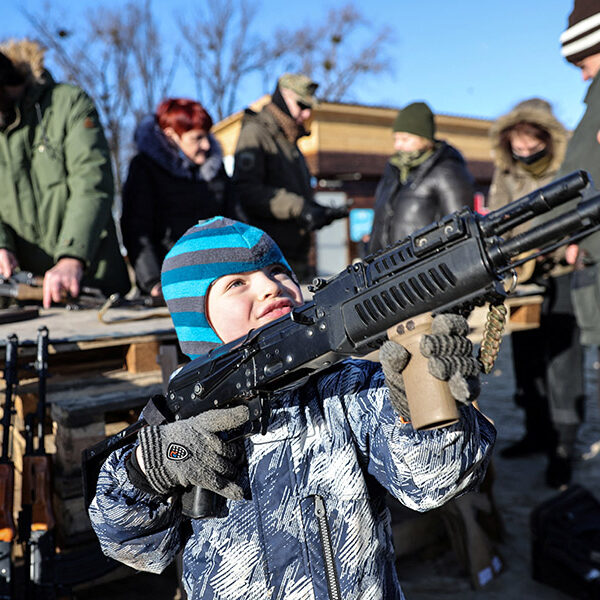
582	38
205	252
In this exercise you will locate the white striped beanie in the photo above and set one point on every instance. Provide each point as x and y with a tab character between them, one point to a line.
209	250
582	38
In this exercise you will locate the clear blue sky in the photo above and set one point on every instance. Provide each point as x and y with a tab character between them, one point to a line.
464	57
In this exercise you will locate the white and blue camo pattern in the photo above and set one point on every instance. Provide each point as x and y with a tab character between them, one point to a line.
336	437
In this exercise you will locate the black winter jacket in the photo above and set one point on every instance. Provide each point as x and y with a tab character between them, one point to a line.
440	185
271	182
164	196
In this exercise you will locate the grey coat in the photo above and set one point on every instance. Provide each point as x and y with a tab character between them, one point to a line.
583	152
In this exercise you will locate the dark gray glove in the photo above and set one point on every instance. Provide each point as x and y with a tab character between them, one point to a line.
314	216
189	452
450	359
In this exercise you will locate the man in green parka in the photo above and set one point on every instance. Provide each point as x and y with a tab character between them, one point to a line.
56	185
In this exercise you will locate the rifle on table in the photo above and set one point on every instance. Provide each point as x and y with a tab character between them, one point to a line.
454	264
37	518
7	474
25	286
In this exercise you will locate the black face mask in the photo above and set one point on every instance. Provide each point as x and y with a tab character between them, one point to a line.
529	160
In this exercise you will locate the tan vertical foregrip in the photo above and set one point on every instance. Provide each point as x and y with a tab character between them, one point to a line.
429	399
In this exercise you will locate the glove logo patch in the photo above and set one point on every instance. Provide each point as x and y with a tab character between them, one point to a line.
177	452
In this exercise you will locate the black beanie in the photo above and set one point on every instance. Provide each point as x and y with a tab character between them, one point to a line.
416	118
8	73
582	38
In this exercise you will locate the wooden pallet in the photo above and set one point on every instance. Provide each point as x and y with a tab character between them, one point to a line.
84	407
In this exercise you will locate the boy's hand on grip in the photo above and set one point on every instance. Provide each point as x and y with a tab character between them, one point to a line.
190	452
450	355
394	358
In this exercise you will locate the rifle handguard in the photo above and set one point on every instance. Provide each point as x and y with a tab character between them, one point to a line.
29	292
429	399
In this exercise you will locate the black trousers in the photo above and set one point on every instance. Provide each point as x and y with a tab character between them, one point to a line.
548	366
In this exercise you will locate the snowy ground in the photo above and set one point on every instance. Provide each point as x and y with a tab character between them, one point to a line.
519	486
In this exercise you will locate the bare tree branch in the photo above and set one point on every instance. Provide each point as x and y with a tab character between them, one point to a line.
331	53
117	57
223	51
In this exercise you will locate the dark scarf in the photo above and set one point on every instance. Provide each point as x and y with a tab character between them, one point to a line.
152	142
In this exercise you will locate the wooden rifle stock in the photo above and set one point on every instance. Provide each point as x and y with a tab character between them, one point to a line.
38	517
7	484
37	491
26	286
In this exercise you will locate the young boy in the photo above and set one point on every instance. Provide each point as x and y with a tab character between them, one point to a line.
306	513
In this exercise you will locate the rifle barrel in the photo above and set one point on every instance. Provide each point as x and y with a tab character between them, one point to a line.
538	202
587	212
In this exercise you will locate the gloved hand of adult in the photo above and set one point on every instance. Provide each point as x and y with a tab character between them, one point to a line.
450	355
189	452
315	216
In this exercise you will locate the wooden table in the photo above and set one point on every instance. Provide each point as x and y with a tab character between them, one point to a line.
81	329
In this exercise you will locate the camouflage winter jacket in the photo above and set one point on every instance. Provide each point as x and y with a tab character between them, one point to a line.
316	481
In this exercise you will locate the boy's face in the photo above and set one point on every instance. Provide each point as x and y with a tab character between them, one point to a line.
243	301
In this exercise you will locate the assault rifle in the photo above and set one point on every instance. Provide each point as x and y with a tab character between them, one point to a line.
454	264
25	286
7	474
37	522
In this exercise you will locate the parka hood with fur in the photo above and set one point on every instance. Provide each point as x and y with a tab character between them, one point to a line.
28	58
538	112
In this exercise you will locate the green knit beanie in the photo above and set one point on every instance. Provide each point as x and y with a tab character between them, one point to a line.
416	118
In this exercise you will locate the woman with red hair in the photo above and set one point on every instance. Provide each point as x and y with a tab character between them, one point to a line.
176	179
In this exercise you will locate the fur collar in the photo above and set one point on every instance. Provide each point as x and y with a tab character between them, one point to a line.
536	111
28	58
152	142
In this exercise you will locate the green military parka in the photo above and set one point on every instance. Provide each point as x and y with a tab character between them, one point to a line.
56	185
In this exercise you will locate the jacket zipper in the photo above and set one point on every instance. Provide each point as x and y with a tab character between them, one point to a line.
330	573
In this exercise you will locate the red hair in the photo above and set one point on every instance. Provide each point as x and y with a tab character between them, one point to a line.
182	115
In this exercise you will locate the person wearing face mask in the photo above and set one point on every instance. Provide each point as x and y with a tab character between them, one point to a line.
425	180
176	179
529	145
56	183
271	180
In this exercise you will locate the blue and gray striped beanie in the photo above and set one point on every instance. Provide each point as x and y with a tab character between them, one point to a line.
205	252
